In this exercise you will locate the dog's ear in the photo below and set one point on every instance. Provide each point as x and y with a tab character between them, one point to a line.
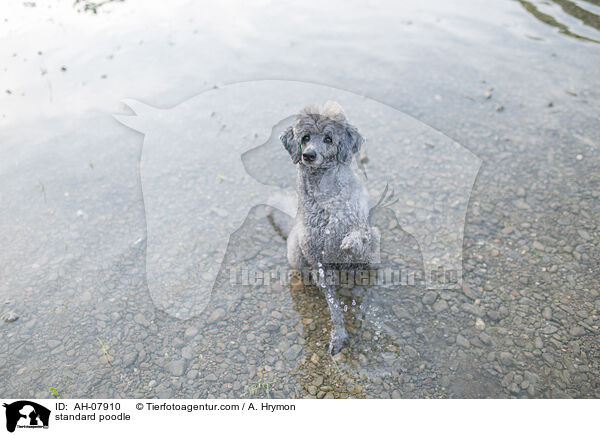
290	144
350	143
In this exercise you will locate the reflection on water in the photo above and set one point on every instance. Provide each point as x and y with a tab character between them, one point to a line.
570	8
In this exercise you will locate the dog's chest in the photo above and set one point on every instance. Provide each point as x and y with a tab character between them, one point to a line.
332	206
326	222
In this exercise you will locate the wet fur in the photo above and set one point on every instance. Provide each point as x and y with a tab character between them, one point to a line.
331	230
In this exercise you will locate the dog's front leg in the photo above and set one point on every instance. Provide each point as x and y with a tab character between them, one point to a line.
339	336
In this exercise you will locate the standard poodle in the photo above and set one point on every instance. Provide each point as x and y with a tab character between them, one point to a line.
332	229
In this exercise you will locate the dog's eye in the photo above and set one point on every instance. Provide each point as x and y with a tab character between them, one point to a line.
306	138
327	139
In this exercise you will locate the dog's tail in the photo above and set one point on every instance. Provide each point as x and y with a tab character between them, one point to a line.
386	200
282	222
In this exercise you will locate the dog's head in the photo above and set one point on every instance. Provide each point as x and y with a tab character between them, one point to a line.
321	137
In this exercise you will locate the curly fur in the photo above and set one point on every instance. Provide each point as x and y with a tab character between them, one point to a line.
331	229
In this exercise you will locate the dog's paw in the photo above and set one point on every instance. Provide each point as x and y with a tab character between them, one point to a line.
353	243
337	342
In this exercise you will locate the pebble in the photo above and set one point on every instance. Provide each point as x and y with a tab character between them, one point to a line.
472	309
229	377
531	377
317	381
505	358
429	298
401	312
412	352
584	235
176	367
216	315
190	332
462	341
164	391
129	359
10	317
468	292
283	346
292	353
140	319
538	343
272	327
52	343
485	338
537	245
493	315
187	352
548	357
497	315
480	324
445	381
577	331
547	313
440	306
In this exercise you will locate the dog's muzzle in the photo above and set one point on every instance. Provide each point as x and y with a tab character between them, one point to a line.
309	156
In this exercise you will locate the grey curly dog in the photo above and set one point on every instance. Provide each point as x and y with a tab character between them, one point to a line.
332	229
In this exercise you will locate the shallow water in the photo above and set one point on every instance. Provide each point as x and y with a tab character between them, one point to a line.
507	84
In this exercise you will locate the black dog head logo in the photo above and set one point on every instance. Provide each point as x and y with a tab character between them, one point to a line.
26	413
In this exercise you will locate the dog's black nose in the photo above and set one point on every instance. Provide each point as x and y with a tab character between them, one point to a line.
309	156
